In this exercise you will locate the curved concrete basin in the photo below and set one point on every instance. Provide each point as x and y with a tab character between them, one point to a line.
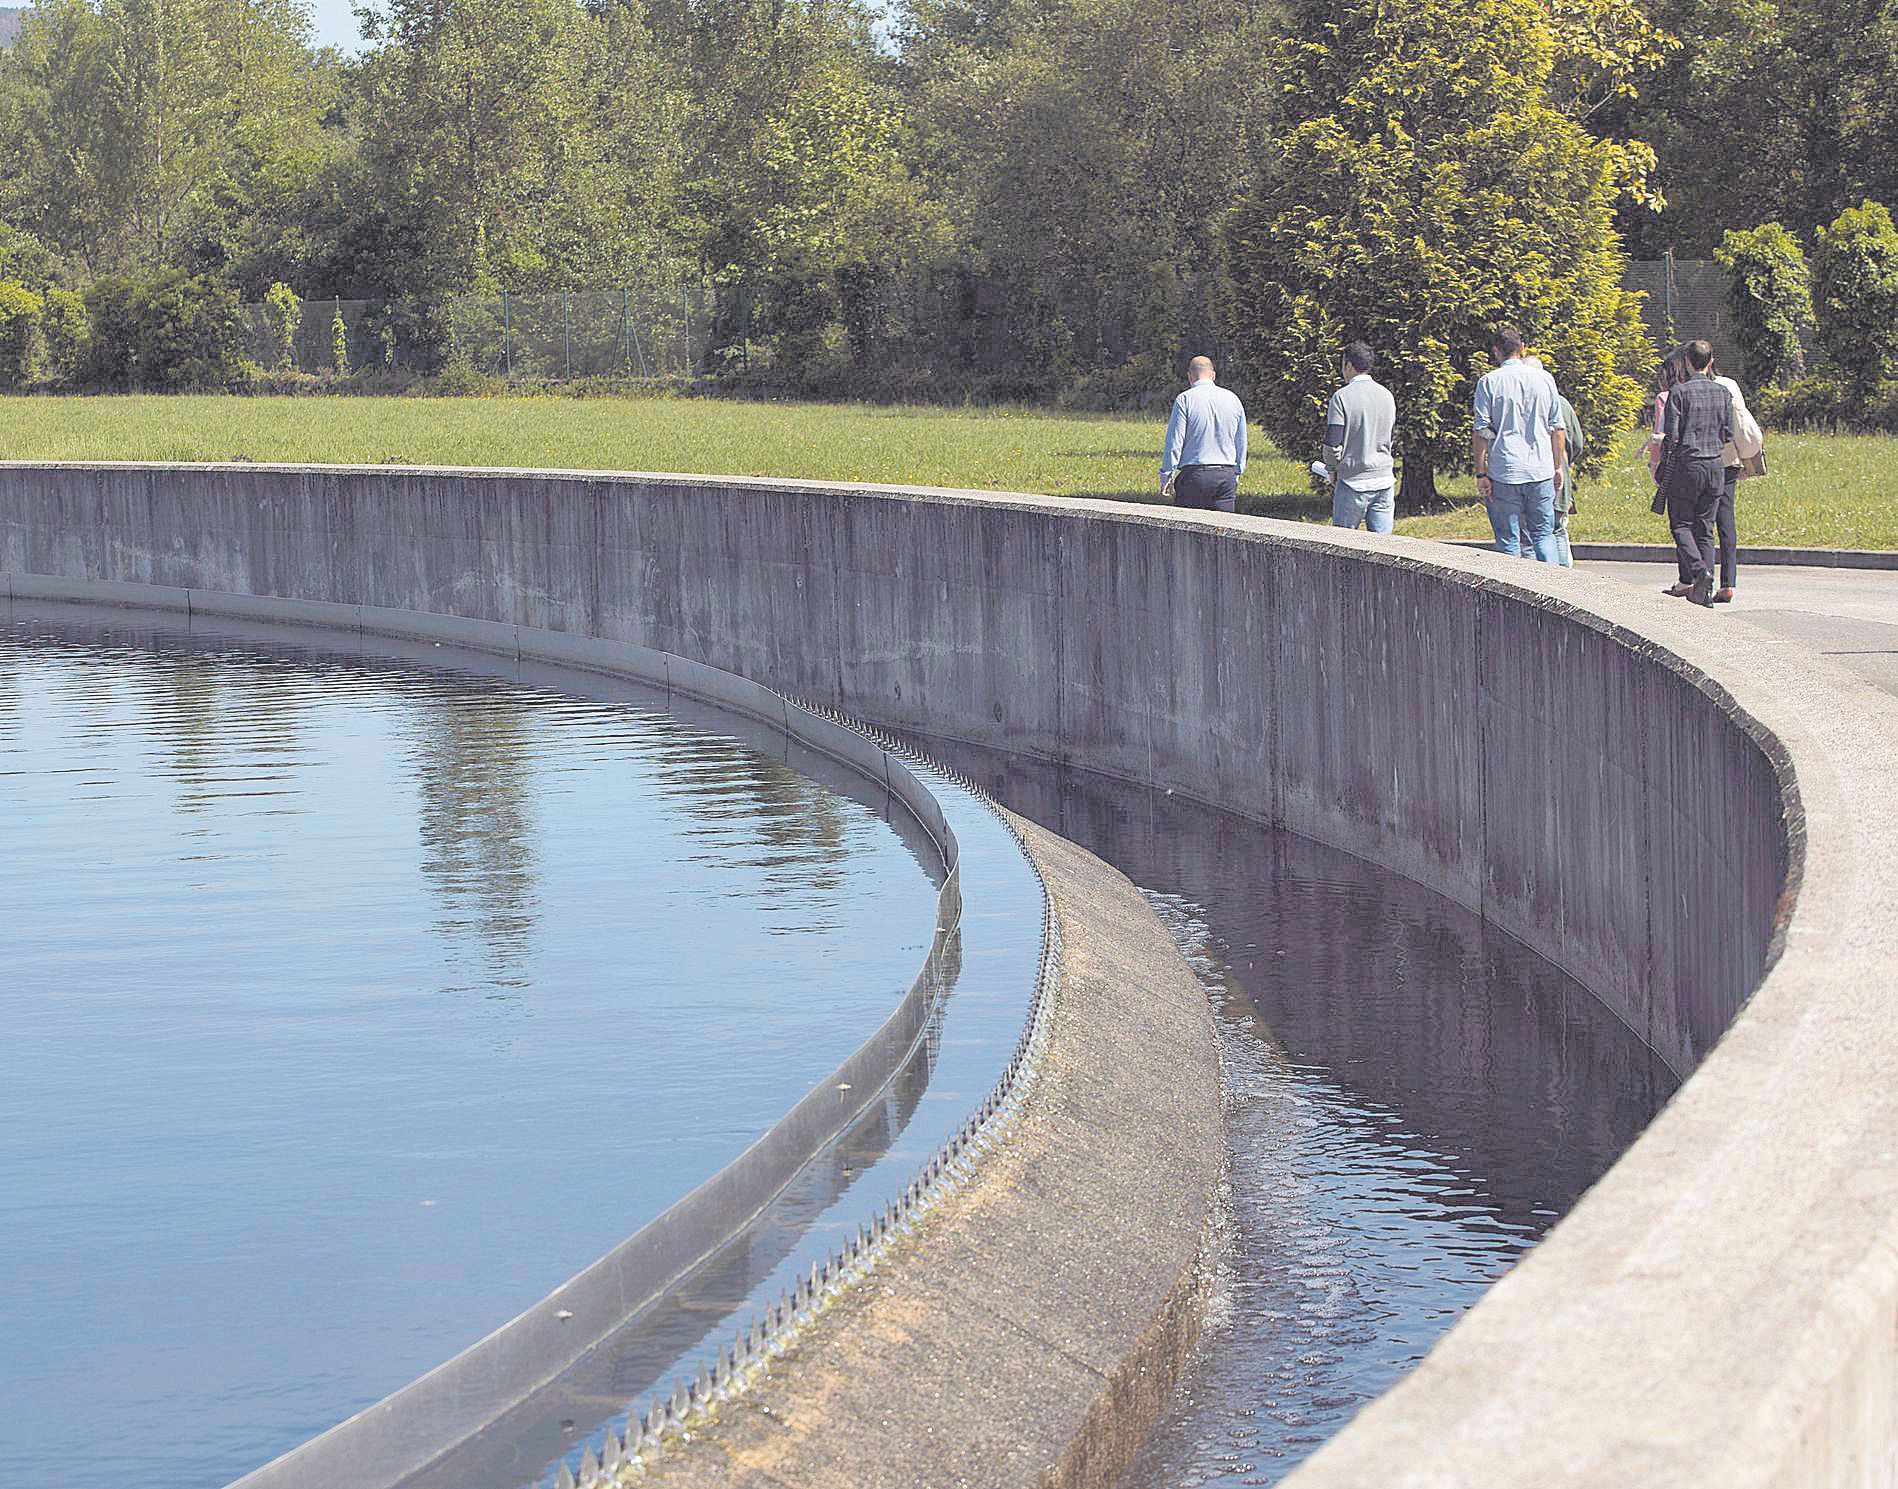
1690	818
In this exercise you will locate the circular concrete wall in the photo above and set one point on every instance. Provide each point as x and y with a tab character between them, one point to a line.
1670	806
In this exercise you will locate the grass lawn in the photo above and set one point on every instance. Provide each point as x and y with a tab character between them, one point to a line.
1825	491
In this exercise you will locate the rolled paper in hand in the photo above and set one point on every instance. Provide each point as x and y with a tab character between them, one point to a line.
1319	468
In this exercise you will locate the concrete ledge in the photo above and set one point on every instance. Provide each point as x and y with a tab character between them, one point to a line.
1033	1330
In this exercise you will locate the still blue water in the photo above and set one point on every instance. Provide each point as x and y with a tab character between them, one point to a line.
353	1003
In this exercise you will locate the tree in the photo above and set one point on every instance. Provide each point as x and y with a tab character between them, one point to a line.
139	132
1777	110
1769	293
1420	190
285	313
1855	274
19	334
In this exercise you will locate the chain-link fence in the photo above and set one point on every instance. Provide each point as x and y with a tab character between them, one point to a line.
652	331
687	327
1686	299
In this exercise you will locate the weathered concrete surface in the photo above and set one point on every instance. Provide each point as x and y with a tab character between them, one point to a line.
1676	812
1850	615
1034	1328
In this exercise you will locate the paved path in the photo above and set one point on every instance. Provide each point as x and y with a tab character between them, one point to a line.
1850	615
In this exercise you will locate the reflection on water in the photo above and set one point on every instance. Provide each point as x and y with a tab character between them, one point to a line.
352	1004
1412	1100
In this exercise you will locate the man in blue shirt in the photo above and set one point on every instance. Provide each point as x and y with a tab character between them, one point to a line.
1519	445
1205	451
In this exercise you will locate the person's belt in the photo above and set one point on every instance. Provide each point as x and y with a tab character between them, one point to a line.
1211	465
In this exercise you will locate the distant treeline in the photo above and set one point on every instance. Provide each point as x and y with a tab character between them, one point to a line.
1025	198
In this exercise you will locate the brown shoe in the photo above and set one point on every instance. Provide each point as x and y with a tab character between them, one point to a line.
1679	591
1723	596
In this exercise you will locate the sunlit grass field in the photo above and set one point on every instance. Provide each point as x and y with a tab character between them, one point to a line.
1824	491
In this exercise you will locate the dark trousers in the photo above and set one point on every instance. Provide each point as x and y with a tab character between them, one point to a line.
1693	503
1209	488
1728	530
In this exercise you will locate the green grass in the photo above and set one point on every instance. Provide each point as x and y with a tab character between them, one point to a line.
1825	491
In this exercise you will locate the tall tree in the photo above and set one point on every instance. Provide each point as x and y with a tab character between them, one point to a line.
136	126
1422	187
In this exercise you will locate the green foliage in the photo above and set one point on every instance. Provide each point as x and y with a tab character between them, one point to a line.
64	329
148	133
1780	110
1422	189
339	344
1769	295
172	333
20	312
1855	276
285	313
27	261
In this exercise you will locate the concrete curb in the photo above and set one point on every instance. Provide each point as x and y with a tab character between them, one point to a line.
1663	553
1069	1278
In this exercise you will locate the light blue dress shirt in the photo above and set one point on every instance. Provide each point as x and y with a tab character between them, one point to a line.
1518	412
1208	427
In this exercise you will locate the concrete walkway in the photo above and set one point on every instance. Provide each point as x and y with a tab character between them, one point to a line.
1850	615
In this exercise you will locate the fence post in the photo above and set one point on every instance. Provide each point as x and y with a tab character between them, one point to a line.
1667	295
507	336
626	328
566	316
685	325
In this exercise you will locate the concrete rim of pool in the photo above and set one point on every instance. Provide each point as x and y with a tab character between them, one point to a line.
1689	816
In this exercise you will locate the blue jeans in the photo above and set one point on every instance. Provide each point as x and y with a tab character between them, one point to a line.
1374	509
1523	518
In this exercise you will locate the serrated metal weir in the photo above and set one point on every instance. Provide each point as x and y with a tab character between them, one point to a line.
951	1168
419	1429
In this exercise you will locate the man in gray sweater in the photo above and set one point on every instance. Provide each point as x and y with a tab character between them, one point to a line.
1358	428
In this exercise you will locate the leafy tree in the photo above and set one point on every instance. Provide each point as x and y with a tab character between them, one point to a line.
285	312
1769	293
64	329
140	132
19	334
1855	274
1080	148
1778	110
1420	190
172	333
517	146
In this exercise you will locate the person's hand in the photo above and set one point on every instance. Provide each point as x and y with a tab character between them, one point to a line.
1482	486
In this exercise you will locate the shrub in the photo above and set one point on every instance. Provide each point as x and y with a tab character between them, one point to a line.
285	313
64	328
339	344
20	312
171	334
1769	293
1855	274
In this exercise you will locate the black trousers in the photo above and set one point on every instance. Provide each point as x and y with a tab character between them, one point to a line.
1693	504
1209	488
1728	530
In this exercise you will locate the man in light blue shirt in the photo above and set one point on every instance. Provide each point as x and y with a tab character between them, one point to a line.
1205	451
1519	445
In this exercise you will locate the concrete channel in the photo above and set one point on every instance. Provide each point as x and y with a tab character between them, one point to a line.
1694	823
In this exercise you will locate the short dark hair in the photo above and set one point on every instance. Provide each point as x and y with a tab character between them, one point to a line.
1360	356
1507	340
1700	355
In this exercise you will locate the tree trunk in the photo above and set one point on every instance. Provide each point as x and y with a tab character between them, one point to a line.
1418	490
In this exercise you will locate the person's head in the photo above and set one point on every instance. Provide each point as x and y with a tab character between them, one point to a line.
1674	369
1505	342
1699	355
1358	358
1200	370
